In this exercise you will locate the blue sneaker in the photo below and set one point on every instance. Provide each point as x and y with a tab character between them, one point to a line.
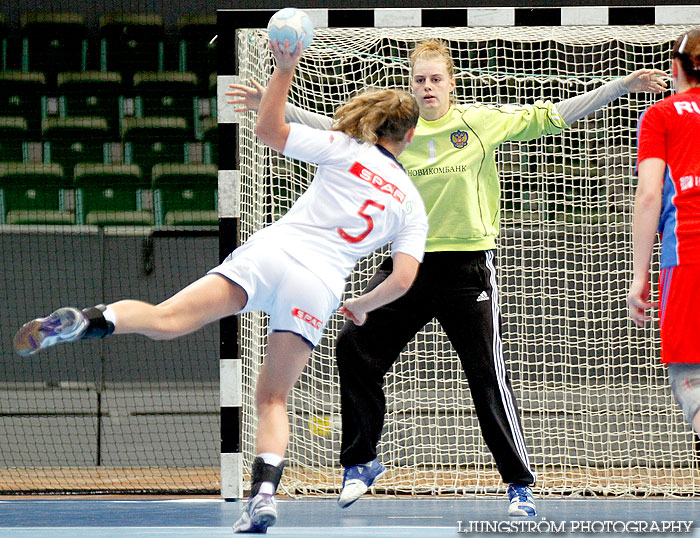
63	325
522	504
357	479
259	514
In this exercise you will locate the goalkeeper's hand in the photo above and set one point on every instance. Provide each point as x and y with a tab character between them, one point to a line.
247	96
645	80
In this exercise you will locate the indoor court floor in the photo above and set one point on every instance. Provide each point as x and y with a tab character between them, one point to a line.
369	517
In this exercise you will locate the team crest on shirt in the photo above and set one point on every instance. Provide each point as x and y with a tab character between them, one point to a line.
459	139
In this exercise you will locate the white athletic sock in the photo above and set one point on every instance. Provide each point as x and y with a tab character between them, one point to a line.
110	315
271	458
268	488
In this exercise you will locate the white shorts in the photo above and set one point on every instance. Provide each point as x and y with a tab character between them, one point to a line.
295	298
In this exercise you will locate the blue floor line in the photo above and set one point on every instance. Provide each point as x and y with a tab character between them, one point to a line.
322	518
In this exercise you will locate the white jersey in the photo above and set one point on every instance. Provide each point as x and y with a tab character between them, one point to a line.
359	200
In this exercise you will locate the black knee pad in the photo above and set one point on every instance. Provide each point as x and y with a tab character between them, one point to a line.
264	472
98	326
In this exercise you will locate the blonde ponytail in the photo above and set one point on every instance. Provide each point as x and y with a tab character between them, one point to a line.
377	114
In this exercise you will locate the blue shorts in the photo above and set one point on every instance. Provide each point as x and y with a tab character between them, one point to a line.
295	298
685	385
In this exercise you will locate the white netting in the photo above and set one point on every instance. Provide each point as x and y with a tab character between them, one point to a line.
596	409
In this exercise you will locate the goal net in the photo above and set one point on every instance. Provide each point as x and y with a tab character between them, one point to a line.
597	413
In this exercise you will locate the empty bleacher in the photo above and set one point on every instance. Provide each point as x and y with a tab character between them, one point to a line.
112	122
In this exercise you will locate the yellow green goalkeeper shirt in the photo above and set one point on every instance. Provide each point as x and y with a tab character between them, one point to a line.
451	161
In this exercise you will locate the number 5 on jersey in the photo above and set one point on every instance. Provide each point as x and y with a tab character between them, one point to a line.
370	223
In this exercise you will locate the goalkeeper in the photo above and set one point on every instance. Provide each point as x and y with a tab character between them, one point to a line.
451	161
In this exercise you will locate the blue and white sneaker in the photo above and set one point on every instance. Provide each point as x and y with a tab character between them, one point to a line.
259	514
357	479
522	504
64	325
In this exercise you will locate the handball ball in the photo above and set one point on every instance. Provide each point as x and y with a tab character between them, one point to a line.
292	24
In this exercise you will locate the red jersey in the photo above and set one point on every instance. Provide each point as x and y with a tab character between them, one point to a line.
670	130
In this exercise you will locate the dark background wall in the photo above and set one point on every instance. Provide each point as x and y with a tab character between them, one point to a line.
172	10
46	270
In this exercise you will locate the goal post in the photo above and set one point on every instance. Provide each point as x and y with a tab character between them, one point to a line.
597	413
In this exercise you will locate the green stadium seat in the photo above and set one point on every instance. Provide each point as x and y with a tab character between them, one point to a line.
34	193
53	42
131	42
212	92
4	35
21	95
149	141
110	195
68	141
91	93
167	94
13	139
197	52
185	194
210	139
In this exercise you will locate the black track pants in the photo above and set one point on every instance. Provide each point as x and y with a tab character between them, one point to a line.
459	289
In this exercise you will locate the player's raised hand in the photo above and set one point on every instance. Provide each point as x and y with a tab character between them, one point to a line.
646	80
638	302
286	59
248	97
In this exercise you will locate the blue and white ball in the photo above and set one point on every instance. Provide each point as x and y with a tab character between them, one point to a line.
292	24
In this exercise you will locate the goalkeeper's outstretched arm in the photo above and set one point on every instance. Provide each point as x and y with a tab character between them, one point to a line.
249	97
570	110
580	106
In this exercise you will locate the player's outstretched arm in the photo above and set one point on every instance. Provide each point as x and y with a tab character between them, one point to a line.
647	207
405	268
271	126
580	106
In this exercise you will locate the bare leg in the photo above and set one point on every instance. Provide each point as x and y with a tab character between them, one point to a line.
287	354
208	299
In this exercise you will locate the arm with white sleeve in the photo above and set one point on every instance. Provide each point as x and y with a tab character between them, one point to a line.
580	106
249	98
570	110
293	113
531	121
